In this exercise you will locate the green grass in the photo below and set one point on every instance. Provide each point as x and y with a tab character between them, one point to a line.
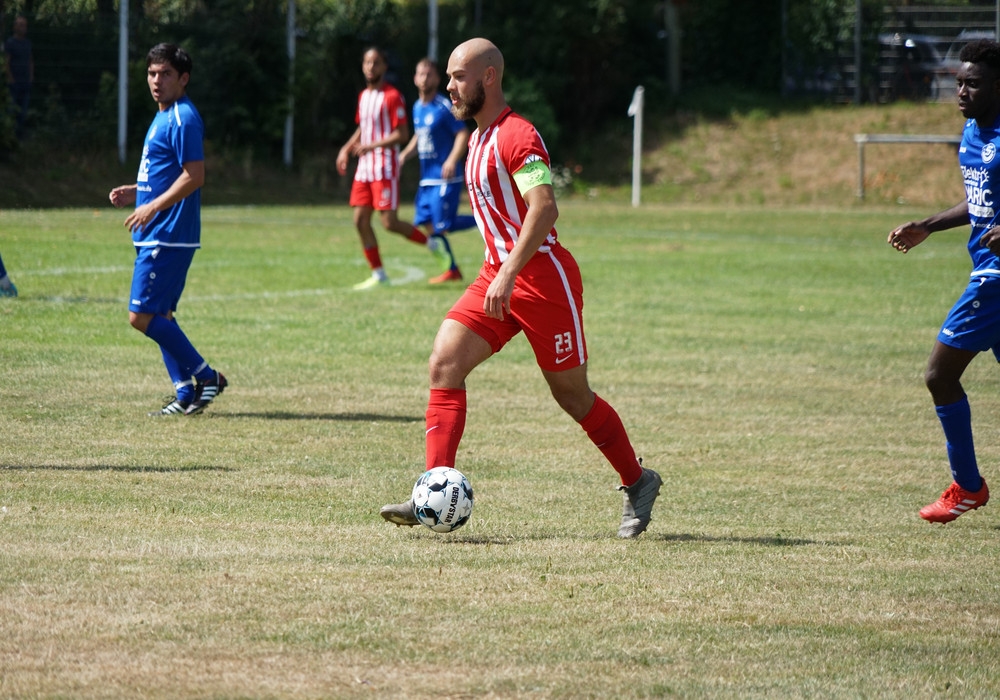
767	362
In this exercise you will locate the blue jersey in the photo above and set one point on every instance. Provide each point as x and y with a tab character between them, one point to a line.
979	157
175	137
436	127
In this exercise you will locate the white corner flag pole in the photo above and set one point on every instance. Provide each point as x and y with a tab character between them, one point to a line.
635	110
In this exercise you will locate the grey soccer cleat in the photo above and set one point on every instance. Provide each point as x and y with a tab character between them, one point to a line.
638	507
400	514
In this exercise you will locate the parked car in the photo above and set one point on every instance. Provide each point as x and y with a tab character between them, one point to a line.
913	67
963	38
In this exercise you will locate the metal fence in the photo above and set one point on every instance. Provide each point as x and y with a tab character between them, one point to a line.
915	53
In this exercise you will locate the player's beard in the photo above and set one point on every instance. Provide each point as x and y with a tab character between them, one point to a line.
467	109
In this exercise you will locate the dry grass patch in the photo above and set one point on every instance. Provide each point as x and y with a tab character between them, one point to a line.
768	368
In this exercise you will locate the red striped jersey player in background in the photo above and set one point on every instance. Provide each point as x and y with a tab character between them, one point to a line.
382	128
529	282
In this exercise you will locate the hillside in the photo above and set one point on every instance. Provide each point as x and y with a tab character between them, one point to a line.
806	157
798	157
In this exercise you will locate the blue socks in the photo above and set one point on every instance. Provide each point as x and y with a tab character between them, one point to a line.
179	356
443	241
463	221
956	419
183	383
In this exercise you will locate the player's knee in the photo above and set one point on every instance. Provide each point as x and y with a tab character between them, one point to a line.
577	403
942	385
444	370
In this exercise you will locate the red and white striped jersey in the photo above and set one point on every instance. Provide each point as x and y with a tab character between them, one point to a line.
380	111
506	146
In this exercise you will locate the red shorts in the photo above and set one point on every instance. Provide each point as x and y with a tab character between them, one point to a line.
381	195
547	305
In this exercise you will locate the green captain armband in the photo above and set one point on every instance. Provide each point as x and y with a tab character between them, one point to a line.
532	175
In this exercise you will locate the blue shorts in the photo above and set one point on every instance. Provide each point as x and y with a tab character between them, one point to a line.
438	205
974	321
158	279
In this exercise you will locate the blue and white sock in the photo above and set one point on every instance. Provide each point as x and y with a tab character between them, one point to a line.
956	419
183	383
168	335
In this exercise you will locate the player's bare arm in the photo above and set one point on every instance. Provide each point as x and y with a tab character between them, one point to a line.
398	136
123	196
538	222
191	178
458	150
913	233
345	151
991	240
405	154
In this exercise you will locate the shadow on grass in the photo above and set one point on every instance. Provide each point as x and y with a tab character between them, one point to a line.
342	417
109	468
775	541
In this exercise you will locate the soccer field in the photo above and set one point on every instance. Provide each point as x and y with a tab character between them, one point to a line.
768	363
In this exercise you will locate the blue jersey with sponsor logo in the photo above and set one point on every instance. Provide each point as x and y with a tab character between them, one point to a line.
175	137
435	127
979	158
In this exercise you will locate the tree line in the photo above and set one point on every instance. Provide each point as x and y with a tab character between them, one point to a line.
572	65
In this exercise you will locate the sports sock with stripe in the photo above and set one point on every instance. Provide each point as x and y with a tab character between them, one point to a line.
183	384
956	419
168	335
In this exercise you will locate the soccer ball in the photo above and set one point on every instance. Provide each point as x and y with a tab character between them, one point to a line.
442	499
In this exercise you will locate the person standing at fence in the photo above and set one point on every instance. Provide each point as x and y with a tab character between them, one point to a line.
973	324
528	283
20	66
382	129
166	228
440	141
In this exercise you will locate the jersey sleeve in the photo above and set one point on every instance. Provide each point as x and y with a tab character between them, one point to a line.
525	156
190	137
396	108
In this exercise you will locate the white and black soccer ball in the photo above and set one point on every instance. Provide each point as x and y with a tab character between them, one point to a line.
442	499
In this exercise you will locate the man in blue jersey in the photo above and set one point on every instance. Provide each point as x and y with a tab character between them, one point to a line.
973	325
440	141
166	228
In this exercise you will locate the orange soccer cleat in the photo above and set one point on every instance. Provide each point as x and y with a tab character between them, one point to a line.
447	276
953	502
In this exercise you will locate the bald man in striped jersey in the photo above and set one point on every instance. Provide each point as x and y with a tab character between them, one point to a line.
529	282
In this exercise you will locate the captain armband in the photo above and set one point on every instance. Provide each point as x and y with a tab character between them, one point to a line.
532	175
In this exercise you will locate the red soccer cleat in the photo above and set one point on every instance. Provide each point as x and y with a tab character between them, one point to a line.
447	276
953	502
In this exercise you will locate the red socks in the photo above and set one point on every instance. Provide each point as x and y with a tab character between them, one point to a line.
605	429
445	425
373	257
417	236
